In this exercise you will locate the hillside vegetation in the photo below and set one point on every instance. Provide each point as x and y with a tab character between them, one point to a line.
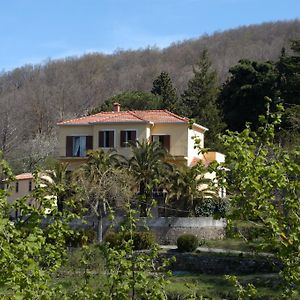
34	98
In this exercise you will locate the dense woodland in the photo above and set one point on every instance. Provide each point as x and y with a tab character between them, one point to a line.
34	98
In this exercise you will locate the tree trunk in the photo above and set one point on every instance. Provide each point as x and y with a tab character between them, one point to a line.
99	225
143	200
100	229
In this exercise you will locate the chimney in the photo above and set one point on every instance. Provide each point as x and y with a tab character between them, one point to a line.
117	107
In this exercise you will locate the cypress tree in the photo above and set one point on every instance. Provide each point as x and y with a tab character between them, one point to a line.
199	100
163	87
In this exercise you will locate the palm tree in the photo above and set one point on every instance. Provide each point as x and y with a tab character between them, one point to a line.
188	186
57	183
148	166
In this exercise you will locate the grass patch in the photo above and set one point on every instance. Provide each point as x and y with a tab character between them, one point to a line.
234	244
217	287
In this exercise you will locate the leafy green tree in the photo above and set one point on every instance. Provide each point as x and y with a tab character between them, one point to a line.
199	99
163	87
289	134
131	100
103	186
289	74
264	185
148	166
289	83
242	95
133	275
31	253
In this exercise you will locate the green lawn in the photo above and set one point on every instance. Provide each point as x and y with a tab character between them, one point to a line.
217	287
233	244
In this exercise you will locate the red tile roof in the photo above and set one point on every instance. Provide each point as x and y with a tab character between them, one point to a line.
136	116
24	176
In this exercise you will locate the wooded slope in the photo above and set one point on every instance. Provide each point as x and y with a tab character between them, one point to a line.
34	98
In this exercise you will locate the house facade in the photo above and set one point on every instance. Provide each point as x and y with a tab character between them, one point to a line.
117	129
21	187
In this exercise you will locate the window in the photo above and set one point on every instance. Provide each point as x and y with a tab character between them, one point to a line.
106	139
17	187
77	146
164	140
127	137
30	186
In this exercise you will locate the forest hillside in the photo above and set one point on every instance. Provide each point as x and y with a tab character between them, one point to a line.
34	98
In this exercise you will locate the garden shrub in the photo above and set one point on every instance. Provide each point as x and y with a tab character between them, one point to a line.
212	207
247	230
141	240
81	237
187	243
113	239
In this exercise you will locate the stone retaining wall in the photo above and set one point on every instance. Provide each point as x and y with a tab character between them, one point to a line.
168	229
221	264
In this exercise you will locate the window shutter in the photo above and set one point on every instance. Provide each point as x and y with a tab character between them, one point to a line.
89	142
133	136
69	146
166	142
122	138
101	139
111	136
152	138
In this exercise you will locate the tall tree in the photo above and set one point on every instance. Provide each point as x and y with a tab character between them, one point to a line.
199	100
289	83
102	185
242	95
289	74
163	87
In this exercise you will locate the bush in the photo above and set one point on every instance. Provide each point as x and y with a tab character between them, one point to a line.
141	240
247	230
81	237
212	207
187	243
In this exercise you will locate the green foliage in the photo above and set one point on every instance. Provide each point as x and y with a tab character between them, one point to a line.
243	292
199	99
163	87
29	252
131	100
242	95
142	240
58	183
102	184
130	274
148	167
212	207
289	74
188	187
81	237
187	243
265	189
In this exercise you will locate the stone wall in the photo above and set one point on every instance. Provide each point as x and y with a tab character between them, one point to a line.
168	229
221	264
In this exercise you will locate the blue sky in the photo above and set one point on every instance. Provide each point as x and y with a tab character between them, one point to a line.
32	31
